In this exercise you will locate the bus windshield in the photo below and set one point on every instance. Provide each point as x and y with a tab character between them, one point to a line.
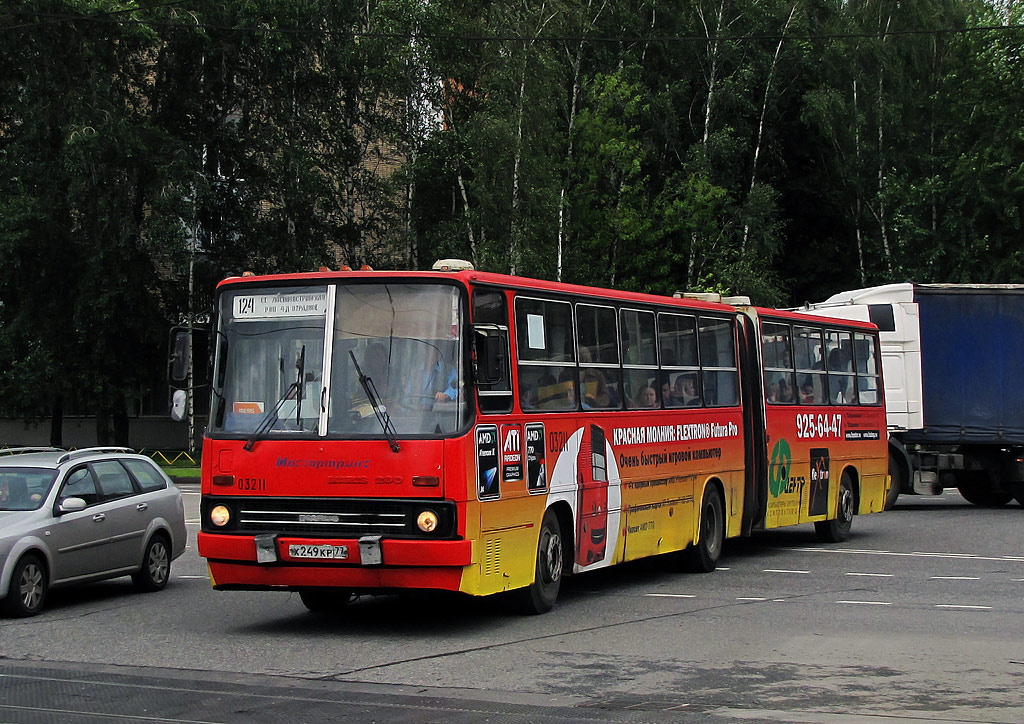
276	343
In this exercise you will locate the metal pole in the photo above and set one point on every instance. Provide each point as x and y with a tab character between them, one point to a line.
190	411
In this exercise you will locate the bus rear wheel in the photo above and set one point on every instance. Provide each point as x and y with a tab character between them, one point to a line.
702	556
539	596
838	529
325	600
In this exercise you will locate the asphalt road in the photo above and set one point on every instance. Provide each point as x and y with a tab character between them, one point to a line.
918	617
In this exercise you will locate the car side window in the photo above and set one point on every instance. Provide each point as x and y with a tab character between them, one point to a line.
80	484
146	475
114	479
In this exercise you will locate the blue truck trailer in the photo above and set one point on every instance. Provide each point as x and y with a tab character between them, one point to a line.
953	369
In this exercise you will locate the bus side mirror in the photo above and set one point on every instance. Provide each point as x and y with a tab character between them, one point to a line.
179	405
490	356
177	364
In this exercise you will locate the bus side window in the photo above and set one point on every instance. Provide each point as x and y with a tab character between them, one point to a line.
640	359
777	353
546	352
808	351
717	343
839	363
490	318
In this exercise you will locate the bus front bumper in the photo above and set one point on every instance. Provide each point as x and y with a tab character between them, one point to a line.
260	562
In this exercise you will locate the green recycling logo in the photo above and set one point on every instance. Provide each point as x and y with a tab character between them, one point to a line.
778	469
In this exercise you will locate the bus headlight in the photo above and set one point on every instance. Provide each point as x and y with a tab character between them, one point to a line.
220	515
427	521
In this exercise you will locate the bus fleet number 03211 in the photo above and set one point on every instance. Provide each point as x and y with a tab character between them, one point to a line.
820	425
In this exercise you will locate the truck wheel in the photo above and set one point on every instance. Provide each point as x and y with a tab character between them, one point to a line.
539	596
984	497
838	529
702	556
896	473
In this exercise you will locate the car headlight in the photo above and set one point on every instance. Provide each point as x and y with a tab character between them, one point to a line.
426	521
220	515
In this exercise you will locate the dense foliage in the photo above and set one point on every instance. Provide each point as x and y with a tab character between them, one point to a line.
784	149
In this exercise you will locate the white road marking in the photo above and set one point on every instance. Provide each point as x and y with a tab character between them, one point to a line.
956	605
783	570
751	598
873	575
201	578
955	578
915	554
670	595
869	603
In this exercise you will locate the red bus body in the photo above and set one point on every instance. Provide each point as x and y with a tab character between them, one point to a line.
309	507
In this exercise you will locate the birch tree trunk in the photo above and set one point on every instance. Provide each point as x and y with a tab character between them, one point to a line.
760	125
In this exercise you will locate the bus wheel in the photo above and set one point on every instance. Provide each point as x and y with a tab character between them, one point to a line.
896	472
325	600
702	556
539	596
837	529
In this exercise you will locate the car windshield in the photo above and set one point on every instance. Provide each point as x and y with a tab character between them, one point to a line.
403	338
24	488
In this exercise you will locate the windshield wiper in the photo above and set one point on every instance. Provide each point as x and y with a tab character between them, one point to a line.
371	395
300	380
271	417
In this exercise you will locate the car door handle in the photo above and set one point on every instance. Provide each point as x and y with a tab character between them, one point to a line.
99	517
142	506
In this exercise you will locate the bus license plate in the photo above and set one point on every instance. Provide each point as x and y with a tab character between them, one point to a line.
296	550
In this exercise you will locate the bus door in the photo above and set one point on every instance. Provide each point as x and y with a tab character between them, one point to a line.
755	456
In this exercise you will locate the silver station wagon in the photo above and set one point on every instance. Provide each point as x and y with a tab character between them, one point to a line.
80	516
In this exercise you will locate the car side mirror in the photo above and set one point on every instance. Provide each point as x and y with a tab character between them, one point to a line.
71	505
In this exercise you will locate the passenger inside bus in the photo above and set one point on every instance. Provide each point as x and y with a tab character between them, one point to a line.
595	391
645	397
685	390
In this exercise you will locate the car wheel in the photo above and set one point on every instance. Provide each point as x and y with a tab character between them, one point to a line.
27	592
325	600
838	529
156	566
702	556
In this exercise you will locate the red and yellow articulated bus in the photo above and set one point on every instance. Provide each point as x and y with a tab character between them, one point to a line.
476	432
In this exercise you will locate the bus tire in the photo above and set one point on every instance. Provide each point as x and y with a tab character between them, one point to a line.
539	597
838	529
896	473
26	592
702	556
325	600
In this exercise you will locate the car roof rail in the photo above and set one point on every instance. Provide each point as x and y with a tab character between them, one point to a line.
92	451
30	449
